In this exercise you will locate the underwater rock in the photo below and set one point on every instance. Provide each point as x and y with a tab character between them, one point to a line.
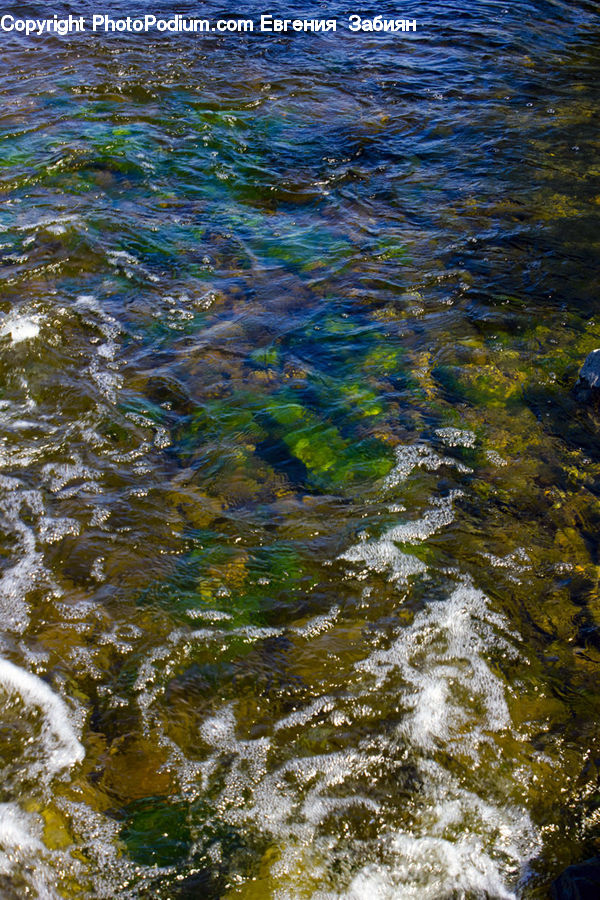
202	883
579	882
590	370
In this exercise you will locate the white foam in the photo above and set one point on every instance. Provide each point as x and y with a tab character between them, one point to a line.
56	476
103	367
494	457
319	707
110	870
122	256
22	850
451	694
475	842
20	328
250	755
52	530
209	615
20	578
53	225
464	828
162	438
461	844
62	745
517	563
418	456
15	829
429	868
318	624
382	554
456	437
440	515
128	264
457	838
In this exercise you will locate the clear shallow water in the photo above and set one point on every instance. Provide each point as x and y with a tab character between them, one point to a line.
299	510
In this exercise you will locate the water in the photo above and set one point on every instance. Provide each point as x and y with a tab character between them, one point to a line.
299	508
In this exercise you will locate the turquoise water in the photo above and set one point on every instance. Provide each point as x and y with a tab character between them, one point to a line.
298	505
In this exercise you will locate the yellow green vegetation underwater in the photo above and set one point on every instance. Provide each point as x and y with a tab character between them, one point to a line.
300	498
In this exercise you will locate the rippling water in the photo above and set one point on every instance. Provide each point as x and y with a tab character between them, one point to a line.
299	508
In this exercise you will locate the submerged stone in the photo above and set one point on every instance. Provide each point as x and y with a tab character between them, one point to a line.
202	883
157	833
579	882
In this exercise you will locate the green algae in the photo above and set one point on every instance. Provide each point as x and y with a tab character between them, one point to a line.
329	457
247	584
267	357
157	833
383	360
484	385
304	251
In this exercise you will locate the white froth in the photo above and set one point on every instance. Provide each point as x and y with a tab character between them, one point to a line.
53	225
441	659
20	578
455	437
105	350
129	264
162	438
110	868
418	456
63	748
432	521
459	834
103	367
318	624
20	328
494	457
382	554
209	615
56	476
463	845
117	257
475	843
430	868
320	706
15	829
516	562
22	849
250	756
52	529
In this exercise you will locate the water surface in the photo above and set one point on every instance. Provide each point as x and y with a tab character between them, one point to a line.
299	508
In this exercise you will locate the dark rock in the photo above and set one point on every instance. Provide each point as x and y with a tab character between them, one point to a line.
201	885
590	370
579	882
